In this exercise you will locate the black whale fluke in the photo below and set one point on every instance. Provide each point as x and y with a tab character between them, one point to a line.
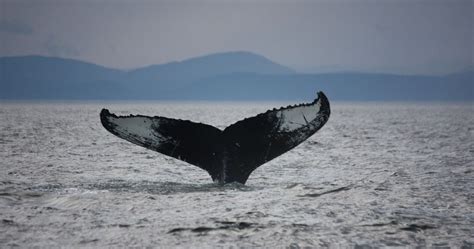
228	155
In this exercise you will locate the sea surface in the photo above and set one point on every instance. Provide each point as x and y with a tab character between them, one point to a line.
376	175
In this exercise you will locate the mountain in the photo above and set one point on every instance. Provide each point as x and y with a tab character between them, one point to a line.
39	77
211	65
223	76
169	81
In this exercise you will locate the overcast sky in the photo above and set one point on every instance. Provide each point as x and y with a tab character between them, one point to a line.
426	37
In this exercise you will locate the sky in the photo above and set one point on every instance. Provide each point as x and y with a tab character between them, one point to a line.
403	37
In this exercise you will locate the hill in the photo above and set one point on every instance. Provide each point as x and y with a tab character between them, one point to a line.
223	76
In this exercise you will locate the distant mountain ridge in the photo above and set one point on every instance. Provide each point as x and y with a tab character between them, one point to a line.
214	64
222	76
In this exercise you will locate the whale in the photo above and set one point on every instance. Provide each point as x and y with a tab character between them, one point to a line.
228	155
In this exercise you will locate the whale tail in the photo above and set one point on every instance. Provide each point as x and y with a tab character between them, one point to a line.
228	155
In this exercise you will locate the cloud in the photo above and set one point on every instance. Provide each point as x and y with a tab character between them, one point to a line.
56	48
15	27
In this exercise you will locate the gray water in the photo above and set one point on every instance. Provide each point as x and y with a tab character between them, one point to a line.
377	175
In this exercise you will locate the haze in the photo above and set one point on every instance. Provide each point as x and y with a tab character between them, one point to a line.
408	37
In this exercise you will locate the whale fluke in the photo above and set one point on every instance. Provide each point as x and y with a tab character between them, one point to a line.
228	155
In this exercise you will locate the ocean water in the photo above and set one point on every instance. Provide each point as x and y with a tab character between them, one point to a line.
376	175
